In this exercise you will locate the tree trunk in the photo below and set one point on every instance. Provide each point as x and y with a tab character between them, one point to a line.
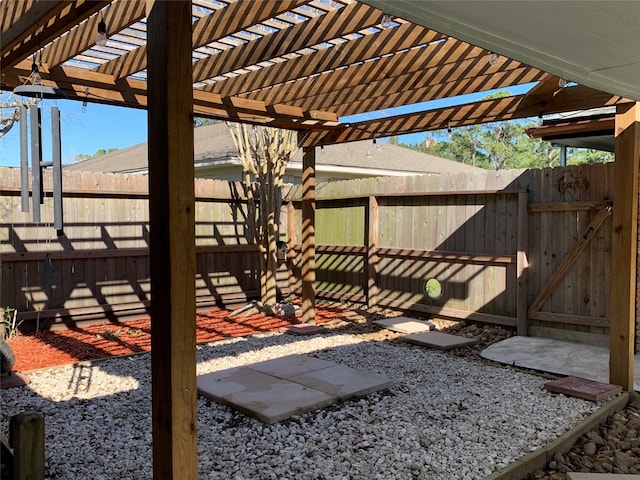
264	154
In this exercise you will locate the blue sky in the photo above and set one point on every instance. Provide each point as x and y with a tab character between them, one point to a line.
100	126
103	127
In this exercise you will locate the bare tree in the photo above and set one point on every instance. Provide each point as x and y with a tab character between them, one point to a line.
8	119
10	111
264	153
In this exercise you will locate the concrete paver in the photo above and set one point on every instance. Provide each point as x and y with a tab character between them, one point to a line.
405	325
343	382
439	340
260	395
302	329
290	366
556	356
277	389
583	388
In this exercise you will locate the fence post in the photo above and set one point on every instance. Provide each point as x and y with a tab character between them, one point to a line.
27	434
522	264
308	261
292	241
373	238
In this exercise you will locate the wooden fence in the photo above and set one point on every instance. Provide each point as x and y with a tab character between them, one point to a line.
99	267
523	248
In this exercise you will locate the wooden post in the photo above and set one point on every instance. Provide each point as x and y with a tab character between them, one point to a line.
522	264
172	240
373	238
292	241
308	262
624	246
27	434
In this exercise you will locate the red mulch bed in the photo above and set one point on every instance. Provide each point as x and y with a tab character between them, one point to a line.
59	347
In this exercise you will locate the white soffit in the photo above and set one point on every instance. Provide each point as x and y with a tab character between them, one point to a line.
591	42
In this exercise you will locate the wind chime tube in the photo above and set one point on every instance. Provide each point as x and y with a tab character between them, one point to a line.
36	168
56	148
24	160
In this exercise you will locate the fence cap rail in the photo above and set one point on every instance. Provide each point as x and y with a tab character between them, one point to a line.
365	196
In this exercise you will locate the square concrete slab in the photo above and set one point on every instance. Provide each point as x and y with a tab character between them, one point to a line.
405	325
342	381
260	395
290	366
583	388
439	340
302	329
217	385
556	356
261	391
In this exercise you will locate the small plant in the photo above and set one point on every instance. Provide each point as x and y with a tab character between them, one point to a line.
134	332
11	324
109	334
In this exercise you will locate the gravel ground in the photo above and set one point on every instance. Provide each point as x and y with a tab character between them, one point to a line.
612	447
447	416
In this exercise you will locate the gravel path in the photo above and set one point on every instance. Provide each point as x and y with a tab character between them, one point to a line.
446	417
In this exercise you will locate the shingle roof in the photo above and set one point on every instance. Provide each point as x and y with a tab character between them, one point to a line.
213	145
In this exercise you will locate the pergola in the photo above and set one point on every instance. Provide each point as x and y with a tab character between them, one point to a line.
306	65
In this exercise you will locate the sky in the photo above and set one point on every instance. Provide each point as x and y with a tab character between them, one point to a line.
82	132
87	130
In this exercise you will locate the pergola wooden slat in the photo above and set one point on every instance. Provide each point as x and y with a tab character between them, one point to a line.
297	64
83	36
329	59
38	26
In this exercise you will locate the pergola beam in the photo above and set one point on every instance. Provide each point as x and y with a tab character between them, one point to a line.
81	37
507	108
51	23
30	17
400	64
102	88
423	90
340	55
330	26
226	21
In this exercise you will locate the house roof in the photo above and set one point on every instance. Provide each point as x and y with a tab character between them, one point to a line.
213	145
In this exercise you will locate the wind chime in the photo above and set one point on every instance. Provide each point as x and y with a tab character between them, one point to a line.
31	135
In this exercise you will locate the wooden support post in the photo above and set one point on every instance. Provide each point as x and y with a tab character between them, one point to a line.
172	240
27	436
624	246
522	264
308	262
373	238
292	241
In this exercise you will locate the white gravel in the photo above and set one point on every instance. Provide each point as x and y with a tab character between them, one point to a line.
445	417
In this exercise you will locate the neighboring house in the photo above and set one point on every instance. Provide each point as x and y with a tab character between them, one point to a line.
216	157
